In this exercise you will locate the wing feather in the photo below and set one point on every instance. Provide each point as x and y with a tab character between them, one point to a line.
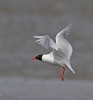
62	42
65	31
46	42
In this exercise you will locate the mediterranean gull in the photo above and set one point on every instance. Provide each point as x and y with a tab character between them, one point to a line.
62	50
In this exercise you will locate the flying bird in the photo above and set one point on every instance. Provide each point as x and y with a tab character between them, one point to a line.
62	50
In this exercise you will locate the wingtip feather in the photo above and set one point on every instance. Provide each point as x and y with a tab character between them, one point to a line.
69	26
73	72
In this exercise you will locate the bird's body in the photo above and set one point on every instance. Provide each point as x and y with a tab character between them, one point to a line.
62	49
55	60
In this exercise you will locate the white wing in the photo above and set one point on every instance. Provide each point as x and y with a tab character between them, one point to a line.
63	43
64	32
46	42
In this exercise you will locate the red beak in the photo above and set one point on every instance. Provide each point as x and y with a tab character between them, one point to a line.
34	58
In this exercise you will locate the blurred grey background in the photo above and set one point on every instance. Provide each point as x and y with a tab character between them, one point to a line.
19	21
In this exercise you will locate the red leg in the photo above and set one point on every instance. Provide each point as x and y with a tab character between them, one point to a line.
62	73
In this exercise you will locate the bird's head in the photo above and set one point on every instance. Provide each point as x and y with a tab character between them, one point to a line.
38	57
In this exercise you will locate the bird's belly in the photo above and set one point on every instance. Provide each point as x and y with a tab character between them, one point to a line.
52	61
57	62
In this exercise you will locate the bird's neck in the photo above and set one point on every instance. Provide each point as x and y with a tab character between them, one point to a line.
48	58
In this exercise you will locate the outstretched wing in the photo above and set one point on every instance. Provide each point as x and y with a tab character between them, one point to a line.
64	32
46	42
63	43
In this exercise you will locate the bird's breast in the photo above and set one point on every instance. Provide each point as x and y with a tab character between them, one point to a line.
52	60
48	59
